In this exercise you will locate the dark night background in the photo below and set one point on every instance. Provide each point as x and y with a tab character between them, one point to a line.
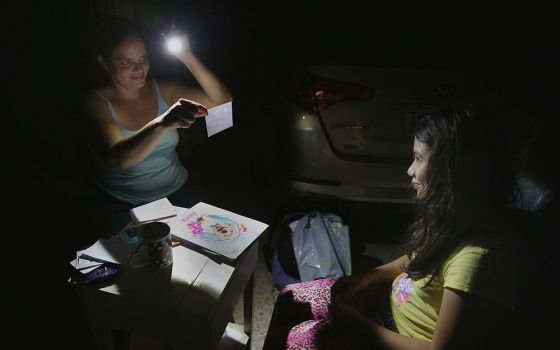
50	66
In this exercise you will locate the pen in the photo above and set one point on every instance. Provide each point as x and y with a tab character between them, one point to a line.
175	243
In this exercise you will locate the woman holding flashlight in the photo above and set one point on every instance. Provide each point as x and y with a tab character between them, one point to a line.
132	125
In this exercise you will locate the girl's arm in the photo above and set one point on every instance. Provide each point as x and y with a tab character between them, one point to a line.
347	287
464	322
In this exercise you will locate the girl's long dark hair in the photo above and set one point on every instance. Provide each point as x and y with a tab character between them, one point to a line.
469	180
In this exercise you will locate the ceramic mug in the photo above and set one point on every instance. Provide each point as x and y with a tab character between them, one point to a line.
154	249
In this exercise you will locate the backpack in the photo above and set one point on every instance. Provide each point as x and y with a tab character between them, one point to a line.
308	246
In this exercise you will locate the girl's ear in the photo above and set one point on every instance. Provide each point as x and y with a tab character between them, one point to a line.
102	62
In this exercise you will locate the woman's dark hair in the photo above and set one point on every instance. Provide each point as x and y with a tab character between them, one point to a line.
112	31
469	180
106	35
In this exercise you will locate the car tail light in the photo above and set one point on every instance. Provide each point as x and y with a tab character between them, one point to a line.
316	93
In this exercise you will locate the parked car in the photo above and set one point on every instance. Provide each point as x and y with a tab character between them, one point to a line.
349	127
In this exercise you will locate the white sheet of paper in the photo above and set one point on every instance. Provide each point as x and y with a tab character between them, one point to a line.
85	265
113	250
219	118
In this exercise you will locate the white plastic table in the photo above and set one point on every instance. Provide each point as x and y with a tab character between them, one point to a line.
170	312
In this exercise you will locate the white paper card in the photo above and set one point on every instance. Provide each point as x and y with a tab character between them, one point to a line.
219	118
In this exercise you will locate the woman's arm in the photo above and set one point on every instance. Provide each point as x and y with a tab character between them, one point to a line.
212	91
110	143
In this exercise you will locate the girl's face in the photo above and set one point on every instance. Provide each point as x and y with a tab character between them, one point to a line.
418	170
129	63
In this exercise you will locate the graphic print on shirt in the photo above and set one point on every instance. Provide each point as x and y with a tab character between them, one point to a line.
402	287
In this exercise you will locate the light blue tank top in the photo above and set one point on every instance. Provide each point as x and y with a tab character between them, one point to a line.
157	176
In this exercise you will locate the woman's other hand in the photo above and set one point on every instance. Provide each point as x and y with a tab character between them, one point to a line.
182	114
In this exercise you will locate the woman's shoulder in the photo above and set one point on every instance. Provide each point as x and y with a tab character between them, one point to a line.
96	102
173	90
166	83
165	87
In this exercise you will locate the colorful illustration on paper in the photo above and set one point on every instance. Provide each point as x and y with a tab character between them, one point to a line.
214	228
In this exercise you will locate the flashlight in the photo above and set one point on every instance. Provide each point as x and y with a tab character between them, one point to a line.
174	44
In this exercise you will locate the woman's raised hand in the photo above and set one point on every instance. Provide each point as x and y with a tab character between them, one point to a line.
182	114
177	43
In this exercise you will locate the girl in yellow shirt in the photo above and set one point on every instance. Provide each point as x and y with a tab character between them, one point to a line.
457	281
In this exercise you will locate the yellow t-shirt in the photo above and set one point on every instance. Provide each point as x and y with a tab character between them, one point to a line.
485	269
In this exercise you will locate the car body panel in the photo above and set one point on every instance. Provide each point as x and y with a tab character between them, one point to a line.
360	149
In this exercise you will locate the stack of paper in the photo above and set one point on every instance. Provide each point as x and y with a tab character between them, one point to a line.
113	250
153	211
